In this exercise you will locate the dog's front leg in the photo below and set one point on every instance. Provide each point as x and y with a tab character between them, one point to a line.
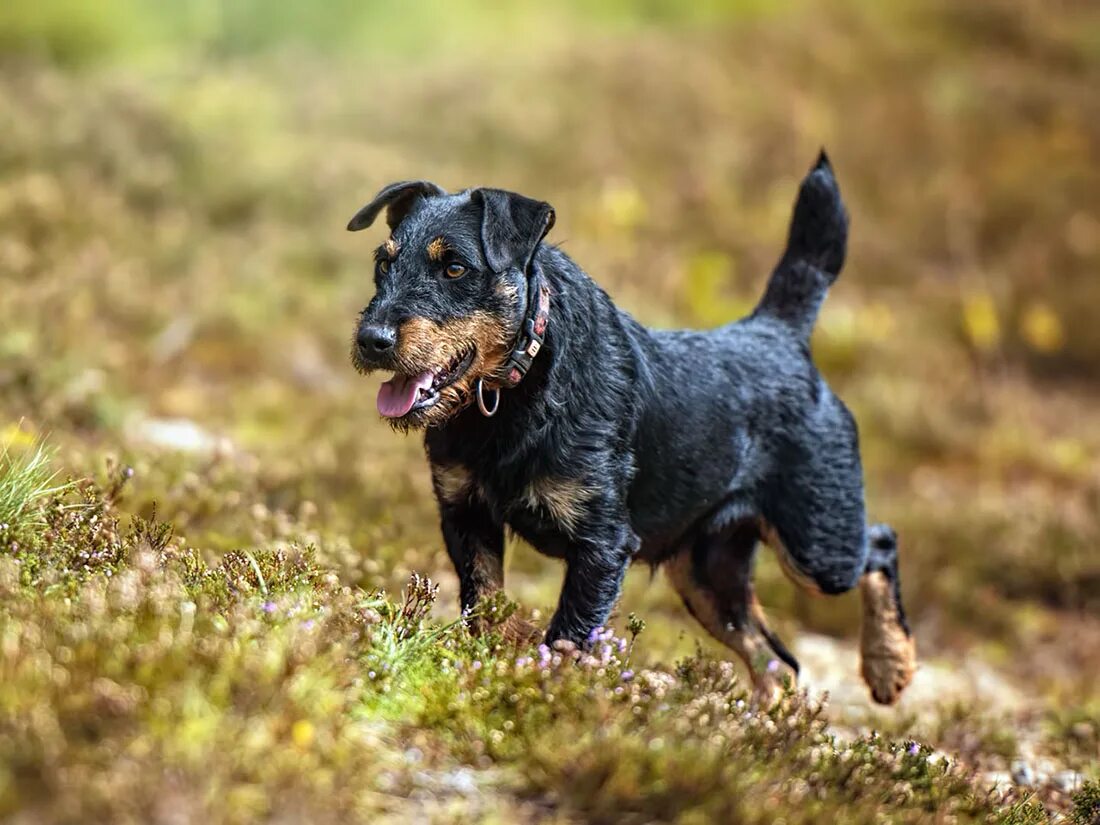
475	543
593	580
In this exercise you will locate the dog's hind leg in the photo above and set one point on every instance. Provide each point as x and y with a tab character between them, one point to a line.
887	651
714	580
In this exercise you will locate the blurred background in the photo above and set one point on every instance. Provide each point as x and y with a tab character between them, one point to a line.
177	291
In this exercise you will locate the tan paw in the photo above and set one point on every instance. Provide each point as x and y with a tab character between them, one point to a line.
520	632
767	692
888	654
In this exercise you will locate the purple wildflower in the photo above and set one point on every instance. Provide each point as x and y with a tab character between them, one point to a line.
269	607
913	749
626	675
773	666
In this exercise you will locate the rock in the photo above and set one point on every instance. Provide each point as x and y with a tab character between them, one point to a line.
1045	770
180	434
174	339
1067	781
461	781
1022	774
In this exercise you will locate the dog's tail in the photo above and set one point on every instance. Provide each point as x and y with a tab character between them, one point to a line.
814	255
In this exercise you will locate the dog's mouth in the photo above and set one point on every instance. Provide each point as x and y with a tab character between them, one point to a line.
404	394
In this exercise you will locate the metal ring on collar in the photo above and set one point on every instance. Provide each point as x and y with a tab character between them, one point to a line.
485	411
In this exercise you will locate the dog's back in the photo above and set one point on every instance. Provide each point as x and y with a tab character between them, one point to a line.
735	410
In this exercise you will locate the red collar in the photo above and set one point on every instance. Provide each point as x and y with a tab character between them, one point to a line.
532	333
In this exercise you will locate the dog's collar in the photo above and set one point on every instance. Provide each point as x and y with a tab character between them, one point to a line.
532	334
532	331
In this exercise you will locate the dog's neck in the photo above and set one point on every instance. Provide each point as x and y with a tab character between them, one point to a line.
534	320
569	388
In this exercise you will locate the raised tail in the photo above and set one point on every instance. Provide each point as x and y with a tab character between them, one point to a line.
814	255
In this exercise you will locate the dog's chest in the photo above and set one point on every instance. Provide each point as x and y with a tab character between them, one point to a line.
546	509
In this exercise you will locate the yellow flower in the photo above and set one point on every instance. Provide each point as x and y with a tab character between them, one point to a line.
980	321
15	436
1041	328
302	733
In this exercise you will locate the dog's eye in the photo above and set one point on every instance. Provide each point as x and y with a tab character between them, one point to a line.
383	266
454	271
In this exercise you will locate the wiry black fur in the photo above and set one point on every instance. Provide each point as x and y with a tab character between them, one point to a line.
675	435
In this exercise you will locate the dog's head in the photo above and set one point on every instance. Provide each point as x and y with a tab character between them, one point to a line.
446	310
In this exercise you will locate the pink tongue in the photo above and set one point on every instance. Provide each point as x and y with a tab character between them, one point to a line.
397	396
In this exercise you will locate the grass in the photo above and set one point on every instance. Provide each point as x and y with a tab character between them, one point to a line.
26	478
218	618
259	687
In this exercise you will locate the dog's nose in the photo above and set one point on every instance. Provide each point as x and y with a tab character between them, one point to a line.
376	339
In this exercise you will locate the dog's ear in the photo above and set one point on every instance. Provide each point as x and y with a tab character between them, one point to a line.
397	199
512	227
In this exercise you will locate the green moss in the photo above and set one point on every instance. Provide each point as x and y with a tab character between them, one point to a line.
1086	804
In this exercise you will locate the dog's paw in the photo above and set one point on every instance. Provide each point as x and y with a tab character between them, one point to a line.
887	677
887	652
520	632
767	692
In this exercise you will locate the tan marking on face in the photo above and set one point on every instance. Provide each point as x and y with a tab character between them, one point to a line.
423	344
786	563
452	482
391	247
888	655
563	498
437	249
746	640
418	342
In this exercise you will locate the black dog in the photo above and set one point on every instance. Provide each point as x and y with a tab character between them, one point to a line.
549	410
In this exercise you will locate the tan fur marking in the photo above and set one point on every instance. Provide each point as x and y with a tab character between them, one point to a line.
437	249
453	482
391	248
563	498
520	632
786	563
888	656
747	642
488	573
488	579
423	344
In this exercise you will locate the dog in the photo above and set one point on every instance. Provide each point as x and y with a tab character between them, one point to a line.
548	410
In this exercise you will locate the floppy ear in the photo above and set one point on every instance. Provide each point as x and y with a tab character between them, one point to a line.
397	199
512	227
